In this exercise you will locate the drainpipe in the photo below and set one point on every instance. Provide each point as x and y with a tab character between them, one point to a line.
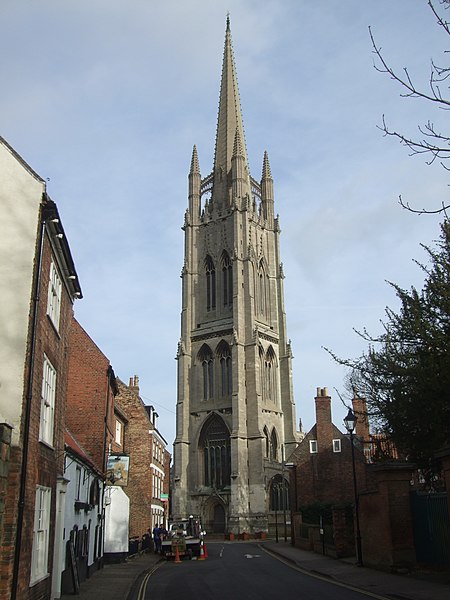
28	399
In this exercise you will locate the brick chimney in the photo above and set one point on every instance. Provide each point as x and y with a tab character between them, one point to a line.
134	384
362	424
324	425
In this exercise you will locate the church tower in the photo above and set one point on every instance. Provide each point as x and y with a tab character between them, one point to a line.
235	406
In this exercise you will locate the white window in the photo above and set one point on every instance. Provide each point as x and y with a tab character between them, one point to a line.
39	557
313	446
118	437
54	296
336	445
48	402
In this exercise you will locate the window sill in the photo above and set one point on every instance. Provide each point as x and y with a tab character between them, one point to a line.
39	579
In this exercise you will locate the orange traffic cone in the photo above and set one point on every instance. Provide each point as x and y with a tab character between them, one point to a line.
177	555
205	550
202	552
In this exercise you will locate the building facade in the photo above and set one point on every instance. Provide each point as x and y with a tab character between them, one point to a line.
82	545
146	448
90	396
39	286
235	405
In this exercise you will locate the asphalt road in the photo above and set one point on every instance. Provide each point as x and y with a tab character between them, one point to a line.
235	572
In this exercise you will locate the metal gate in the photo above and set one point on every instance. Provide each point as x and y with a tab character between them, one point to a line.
431	526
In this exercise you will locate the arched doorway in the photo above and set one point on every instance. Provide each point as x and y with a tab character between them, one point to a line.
218	519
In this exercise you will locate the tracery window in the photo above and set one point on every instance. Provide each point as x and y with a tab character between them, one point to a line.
210	283
216	448
279	494
227	280
268	366
206	360
223	353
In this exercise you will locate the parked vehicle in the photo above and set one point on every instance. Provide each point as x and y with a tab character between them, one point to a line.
186	535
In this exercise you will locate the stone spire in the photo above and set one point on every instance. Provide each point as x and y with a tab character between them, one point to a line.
194	186
230	116
267	190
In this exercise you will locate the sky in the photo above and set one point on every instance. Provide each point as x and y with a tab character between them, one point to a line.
105	99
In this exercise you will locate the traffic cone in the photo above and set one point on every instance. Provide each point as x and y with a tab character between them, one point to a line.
205	550
202	552
177	555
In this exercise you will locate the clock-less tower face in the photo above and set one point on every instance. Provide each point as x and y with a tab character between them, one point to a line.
235	410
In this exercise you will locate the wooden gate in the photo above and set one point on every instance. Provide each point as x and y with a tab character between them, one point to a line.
431	527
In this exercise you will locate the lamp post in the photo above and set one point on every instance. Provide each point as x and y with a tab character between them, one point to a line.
350	423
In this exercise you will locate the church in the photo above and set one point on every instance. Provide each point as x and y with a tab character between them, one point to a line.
235	419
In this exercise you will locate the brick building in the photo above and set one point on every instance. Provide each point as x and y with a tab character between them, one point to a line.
39	286
321	481
147	480
90	396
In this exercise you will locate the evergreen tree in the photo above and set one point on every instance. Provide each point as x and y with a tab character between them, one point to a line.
405	374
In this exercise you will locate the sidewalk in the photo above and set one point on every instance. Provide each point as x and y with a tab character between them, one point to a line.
115	581
389	585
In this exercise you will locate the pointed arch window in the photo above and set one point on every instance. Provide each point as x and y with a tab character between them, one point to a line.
262	299
227	280
279	494
206	360
210	284
223	353
269	378
216	447
273	445
267	442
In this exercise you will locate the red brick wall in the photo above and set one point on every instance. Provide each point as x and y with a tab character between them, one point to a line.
89	397
327	476
44	463
385	517
138	444
324	425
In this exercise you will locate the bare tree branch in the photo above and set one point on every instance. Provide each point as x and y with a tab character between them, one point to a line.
430	141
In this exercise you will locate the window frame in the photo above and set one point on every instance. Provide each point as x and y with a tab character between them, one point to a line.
118	435
313	447
41	529
337	445
54	295
48	402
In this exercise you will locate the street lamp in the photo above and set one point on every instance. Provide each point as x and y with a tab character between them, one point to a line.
350	423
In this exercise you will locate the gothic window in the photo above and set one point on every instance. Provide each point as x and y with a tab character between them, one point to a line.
269	375
216	448
262	300
227	280
267	443
273	445
262	373
223	353
210	284
279	494
206	360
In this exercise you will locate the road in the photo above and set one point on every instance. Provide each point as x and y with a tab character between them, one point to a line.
239	571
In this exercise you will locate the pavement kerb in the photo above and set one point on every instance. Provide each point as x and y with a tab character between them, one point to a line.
378	584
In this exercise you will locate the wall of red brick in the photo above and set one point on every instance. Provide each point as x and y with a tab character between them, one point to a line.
90	398
44	463
327	476
138	444
386	520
